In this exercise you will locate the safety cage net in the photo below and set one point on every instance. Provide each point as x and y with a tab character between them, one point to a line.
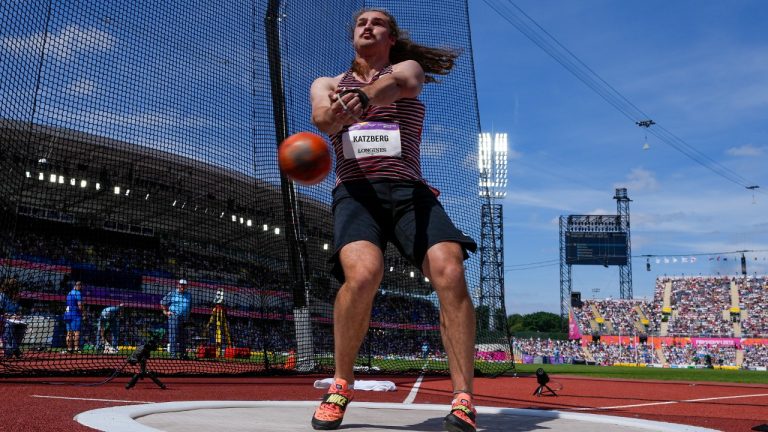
138	154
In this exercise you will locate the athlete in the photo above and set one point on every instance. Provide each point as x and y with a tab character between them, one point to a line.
374	119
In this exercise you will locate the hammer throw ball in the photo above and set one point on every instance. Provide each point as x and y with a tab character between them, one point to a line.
304	157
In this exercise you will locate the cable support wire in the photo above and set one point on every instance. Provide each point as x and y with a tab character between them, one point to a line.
544	40
699	254
534	263
553	262
532	267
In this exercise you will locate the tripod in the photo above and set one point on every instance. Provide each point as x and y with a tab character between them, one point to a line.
143	372
544	389
221	328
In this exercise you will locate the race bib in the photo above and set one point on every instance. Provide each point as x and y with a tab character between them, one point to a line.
367	139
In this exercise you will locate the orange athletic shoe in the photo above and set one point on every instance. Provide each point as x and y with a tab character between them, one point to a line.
462	416
330	413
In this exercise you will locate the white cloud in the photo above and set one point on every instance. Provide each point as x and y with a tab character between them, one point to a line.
82	87
601	211
63	44
746	150
638	180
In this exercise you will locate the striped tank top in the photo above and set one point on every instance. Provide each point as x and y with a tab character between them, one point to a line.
405	115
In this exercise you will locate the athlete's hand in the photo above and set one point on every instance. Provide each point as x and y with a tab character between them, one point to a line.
347	108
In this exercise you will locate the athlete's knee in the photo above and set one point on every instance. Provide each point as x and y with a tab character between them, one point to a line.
364	276
449	272
362	281
444	262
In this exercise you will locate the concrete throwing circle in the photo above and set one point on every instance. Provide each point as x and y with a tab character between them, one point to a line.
279	416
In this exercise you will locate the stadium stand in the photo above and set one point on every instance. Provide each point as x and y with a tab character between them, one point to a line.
693	321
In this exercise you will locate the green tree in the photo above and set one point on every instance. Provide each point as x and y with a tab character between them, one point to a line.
515	323
542	322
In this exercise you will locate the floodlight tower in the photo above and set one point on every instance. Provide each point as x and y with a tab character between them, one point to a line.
625	271
492	163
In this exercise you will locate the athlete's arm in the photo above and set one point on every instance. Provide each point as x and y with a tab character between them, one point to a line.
405	81
328	116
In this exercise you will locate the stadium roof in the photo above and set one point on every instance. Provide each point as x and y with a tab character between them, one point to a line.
142	189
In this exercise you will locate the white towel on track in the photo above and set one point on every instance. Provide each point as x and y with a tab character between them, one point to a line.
365	385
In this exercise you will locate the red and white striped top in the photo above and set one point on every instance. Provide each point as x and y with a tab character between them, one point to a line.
408	113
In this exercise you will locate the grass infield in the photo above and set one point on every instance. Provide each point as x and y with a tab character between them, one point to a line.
432	365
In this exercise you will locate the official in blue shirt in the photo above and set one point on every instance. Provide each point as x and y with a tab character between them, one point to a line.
13	328
177	306
73	317
109	324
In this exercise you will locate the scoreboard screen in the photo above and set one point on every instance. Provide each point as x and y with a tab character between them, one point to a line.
596	248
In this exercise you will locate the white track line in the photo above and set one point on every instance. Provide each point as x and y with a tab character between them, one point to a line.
92	399
415	390
670	402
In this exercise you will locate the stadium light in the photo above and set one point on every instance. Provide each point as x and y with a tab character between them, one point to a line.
277	231
234	218
266	227
492	163
146	197
242	220
29	174
248	222
127	192
53	178
61	179
174	203
41	176
117	190
72	182
98	186
83	183
325	246
412	274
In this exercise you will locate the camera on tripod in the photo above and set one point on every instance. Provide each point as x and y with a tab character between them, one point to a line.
144	351
140	357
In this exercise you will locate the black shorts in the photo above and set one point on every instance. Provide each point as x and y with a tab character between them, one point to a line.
407	214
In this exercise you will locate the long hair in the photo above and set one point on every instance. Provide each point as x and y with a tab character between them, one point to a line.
434	61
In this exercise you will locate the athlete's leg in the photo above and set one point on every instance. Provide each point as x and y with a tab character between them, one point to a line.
76	340
173	335
100	336
444	266
363	265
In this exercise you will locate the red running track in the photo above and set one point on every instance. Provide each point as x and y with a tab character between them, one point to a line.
50	404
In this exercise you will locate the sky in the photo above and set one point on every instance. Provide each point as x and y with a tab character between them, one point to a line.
699	69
